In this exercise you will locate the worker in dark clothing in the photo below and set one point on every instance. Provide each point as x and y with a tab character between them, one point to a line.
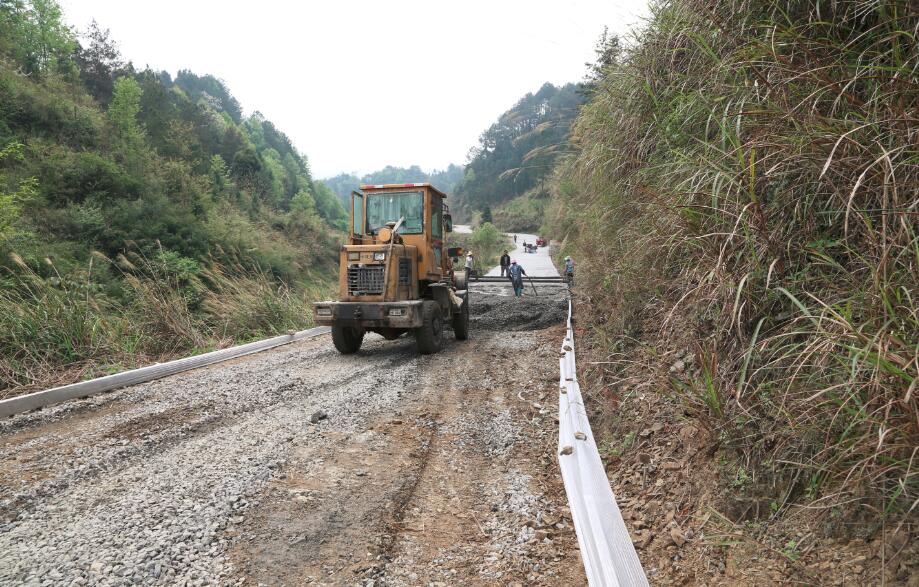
505	263
516	273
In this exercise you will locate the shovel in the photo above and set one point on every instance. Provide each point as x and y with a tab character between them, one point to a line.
533	286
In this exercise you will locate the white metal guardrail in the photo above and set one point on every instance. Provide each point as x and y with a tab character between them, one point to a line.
607	552
40	399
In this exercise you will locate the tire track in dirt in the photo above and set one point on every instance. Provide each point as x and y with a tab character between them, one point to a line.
41	458
457	486
88	504
486	509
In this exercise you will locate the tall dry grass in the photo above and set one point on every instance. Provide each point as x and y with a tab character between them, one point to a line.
748	177
57	329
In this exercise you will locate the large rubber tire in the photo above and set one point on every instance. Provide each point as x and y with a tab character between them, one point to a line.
347	339
429	338
461	320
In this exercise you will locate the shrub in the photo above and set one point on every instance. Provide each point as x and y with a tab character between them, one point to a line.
486	245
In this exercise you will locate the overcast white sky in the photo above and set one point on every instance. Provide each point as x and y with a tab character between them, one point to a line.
358	85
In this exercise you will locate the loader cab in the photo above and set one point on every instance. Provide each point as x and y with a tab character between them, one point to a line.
425	221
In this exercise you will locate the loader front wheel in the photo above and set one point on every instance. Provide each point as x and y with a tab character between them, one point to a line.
347	339
461	320
429	338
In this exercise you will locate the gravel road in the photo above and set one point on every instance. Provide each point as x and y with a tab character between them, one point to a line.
424	469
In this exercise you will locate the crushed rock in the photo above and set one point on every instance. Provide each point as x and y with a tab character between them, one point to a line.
495	433
493	308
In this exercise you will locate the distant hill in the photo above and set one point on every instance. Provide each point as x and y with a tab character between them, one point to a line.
444	180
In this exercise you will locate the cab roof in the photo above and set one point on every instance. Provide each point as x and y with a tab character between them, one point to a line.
386	186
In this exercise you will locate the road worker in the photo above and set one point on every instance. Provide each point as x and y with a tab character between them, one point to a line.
468	266
516	273
569	270
505	263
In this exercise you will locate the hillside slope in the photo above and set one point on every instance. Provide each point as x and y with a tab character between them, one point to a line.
517	153
742	206
140	215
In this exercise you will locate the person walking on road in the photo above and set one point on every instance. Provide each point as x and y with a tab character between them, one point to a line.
569	270
515	239
469	262
516	273
505	263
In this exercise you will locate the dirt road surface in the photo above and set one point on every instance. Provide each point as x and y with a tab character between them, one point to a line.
436	470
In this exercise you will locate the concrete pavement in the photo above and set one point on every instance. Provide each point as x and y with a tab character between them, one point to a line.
537	264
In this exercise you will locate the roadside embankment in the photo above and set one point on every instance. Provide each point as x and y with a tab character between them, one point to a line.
740	200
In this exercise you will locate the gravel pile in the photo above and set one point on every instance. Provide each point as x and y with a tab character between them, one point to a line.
495	308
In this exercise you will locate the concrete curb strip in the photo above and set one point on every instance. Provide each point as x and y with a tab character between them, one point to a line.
607	552
40	399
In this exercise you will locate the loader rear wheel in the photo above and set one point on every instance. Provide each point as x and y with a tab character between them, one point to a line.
347	339
429	338
461	321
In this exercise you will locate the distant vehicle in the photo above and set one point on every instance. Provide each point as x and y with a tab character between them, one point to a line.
542	241
395	274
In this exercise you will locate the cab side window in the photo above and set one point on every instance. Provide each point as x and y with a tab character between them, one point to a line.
437	217
357	213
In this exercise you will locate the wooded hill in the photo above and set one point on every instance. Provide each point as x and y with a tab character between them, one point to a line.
516	155
140	215
513	159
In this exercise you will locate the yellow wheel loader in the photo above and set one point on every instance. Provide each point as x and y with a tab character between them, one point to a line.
395	275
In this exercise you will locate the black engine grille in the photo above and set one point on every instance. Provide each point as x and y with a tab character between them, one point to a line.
405	271
365	280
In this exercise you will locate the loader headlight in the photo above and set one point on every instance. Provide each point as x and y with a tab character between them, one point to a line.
354	256
381	256
323	311
397	311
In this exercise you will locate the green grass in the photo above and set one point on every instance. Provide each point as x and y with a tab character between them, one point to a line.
524	213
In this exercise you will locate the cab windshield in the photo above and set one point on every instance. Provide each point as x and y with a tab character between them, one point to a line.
391	206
